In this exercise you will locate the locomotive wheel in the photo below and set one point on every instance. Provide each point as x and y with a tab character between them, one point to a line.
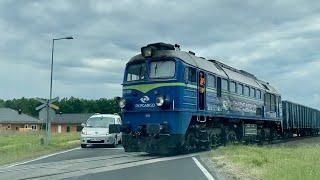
214	139
261	136
232	137
191	142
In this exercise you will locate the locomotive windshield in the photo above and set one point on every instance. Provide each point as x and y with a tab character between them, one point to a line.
136	72
162	69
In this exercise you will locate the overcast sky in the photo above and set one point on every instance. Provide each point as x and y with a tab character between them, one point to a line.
278	42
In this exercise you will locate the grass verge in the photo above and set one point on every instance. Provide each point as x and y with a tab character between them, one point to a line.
22	146
269	162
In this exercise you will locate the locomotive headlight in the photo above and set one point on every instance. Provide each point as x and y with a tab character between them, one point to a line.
160	101
147	51
122	103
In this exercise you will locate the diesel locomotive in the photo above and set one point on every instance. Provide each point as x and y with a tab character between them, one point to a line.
174	102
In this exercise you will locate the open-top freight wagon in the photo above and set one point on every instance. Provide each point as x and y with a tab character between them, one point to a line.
299	119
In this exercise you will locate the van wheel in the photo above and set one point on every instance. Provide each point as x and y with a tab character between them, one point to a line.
113	145
83	145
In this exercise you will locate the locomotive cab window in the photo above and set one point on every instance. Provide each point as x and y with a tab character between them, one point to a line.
240	89
273	103
211	81
136	72
162	69
252	92
246	91
232	87
190	74
224	84
258	94
267	101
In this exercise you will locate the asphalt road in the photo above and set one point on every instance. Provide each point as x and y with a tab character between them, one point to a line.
108	163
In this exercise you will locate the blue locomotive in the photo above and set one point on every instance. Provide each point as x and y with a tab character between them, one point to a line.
174	101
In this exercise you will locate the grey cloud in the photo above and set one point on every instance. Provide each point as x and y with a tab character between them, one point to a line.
269	39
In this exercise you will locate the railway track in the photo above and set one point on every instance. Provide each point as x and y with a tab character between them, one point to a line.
79	167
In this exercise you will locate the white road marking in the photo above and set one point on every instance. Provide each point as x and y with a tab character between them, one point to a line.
61	169
203	169
113	167
111	148
42	157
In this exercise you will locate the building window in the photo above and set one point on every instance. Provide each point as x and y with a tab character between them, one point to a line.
211	81
240	89
246	91
9	126
68	128
17	128
34	127
224	84
232	87
26	126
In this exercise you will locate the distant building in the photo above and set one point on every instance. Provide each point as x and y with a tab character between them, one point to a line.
12	120
69	122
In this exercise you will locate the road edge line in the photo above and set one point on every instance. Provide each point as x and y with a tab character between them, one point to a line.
41	157
203	169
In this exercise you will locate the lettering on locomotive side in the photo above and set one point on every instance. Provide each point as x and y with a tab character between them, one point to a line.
149	105
214	107
243	106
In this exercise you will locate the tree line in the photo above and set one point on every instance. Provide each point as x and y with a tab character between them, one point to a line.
66	105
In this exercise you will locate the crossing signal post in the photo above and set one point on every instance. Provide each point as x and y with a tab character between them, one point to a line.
47	113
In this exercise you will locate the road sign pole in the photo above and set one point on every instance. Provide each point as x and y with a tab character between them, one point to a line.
47	114
48	133
48	125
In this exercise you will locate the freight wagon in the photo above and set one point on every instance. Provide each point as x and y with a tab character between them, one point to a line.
299	119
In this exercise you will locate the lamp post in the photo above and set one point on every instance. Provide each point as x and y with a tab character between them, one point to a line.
70	37
48	126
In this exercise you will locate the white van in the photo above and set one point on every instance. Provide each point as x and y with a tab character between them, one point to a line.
96	130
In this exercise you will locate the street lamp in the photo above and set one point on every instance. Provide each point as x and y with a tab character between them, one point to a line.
48	126
55	39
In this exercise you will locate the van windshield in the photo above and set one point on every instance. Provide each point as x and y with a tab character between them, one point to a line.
102	122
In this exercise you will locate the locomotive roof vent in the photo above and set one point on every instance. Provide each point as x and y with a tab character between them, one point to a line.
190	52
177	47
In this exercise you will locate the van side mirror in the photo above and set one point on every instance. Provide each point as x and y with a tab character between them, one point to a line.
83	124
114	128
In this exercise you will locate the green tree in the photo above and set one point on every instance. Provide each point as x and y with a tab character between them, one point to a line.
67	105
